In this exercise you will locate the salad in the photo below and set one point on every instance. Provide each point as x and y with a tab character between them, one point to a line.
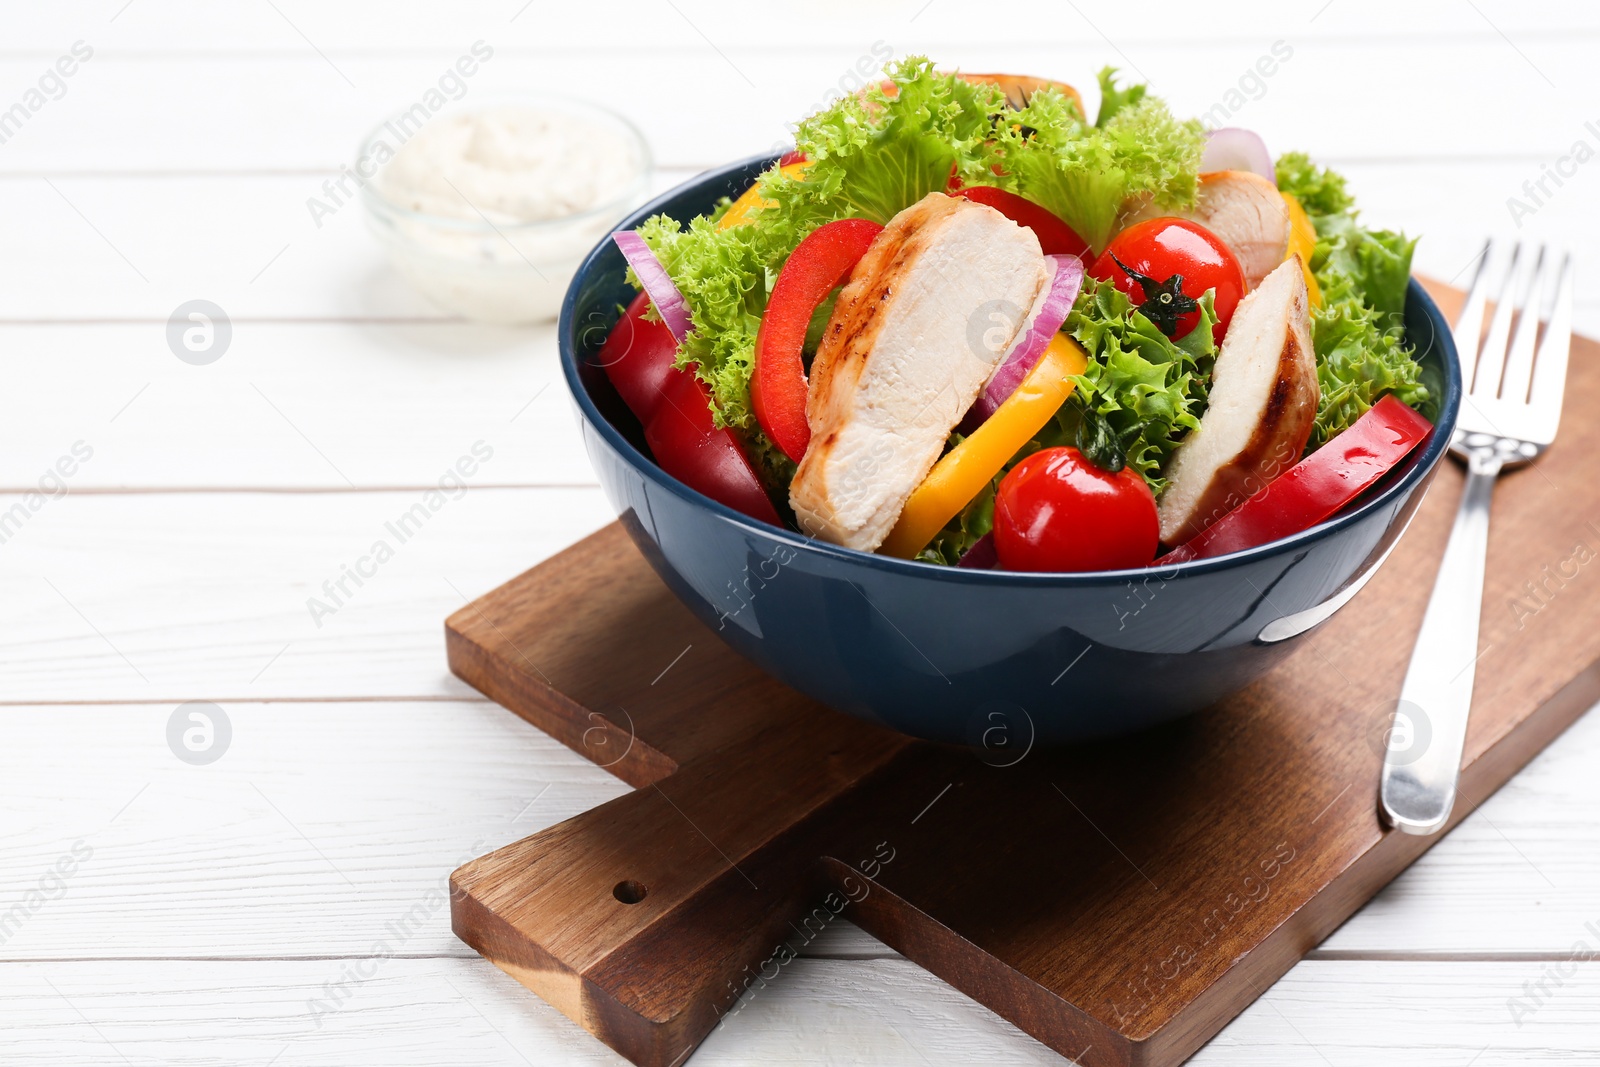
963	323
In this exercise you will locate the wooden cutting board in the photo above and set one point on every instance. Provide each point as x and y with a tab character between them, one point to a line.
1120	900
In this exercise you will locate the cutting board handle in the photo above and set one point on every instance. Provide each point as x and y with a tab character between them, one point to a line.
643	919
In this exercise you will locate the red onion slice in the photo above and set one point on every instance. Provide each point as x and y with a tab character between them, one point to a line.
981	556
1231	148
1059	297
664	295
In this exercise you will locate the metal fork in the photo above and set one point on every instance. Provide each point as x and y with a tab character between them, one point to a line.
1510	410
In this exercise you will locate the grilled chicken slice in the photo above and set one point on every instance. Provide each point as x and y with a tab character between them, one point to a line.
1243	209
1019	88
1264	396
922	323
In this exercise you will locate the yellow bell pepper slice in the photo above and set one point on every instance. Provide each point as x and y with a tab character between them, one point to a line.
1302	243
961	473
752	200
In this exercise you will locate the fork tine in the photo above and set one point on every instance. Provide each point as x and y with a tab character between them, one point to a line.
1486	382
1519	359
1550	368
1469	326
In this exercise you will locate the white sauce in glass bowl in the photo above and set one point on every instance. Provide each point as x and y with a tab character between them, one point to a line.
513	164
488	212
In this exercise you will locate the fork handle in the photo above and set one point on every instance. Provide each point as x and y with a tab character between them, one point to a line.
1419	776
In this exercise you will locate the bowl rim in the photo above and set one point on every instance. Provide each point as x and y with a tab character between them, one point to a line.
376	202
1432	452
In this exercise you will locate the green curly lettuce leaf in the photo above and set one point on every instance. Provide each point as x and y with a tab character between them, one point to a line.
871	156
1320	191
1112	99
1358	332
875	154
1358	361
1144	388
1374	266
1089	176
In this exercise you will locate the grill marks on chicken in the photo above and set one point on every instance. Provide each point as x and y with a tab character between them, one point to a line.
922	323
1263	403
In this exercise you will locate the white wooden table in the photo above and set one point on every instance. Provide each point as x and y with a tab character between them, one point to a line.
282	904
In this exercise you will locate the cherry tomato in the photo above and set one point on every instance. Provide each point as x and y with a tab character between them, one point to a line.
689	446
1056	511
1161	248
637	357
1055	236
674	406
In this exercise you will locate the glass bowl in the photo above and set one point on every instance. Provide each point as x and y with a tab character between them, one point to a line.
485	269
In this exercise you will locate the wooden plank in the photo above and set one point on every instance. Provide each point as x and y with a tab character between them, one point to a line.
202	591
434	1013
243	105
247	243
187	27
201	865
335	406
317	831
162	598
424	389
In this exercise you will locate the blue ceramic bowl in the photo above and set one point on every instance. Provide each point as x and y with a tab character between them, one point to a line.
979	657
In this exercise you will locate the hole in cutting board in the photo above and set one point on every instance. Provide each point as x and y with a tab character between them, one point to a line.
628	891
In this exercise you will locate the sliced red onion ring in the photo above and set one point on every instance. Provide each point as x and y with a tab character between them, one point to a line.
1063	290
981	556
1231	148
664	295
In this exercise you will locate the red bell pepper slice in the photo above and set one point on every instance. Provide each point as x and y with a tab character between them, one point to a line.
778	379
689	446
1056	238
1316	487
638	357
